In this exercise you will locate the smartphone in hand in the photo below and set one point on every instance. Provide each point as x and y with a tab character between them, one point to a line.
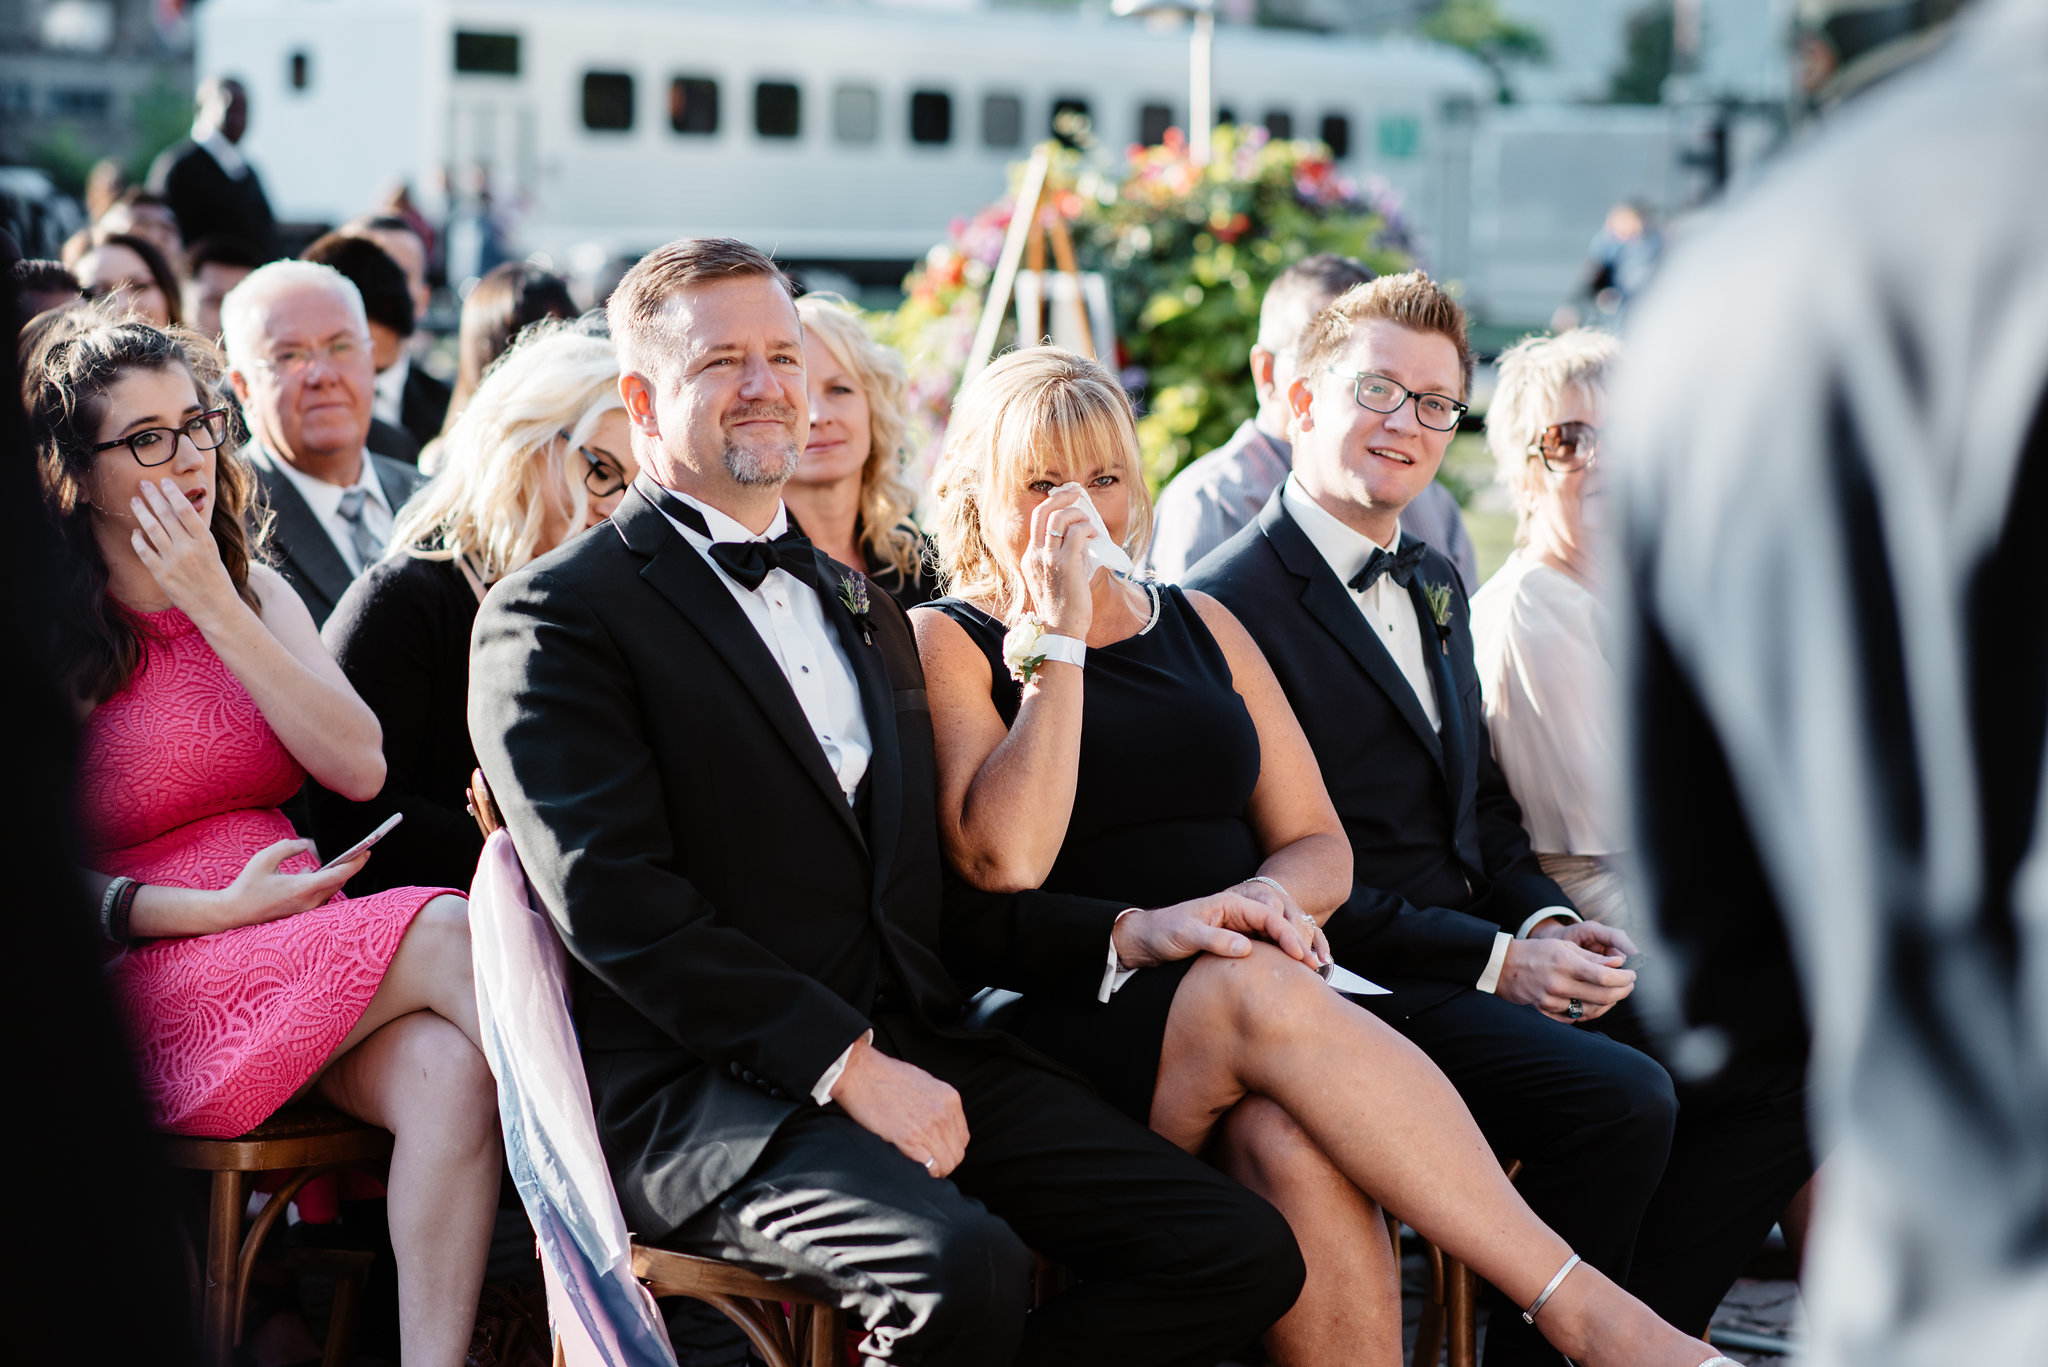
372	838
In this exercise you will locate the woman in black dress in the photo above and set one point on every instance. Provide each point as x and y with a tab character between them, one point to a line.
539	454
1186	776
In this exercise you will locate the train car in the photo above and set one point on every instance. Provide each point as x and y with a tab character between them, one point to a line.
826	131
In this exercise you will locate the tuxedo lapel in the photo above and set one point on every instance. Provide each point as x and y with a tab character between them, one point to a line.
878	704
1331	604
310	551
693	588
1445	682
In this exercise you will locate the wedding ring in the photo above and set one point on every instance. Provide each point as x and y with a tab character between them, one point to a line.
930	1163
1574	1008
1056	536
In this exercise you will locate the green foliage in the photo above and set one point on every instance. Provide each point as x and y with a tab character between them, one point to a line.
1481	29
1647	38
157	117
1188	252
66	158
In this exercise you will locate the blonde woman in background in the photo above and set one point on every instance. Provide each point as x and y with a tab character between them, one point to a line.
539	455
849	494
1538	626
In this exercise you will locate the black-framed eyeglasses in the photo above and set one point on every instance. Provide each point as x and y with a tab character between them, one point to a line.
1567	446
602	479
157	445
1438	412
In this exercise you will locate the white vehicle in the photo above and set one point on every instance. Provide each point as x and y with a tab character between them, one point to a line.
825	132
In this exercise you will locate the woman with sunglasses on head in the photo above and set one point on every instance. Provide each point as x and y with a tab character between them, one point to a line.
1538	626
539	455
248	980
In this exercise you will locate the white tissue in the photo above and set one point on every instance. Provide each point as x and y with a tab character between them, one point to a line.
1102	550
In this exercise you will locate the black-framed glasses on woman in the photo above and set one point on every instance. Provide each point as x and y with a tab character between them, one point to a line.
1438	412
602	479
156	445
1567	446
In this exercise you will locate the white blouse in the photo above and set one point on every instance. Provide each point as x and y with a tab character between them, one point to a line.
1550	693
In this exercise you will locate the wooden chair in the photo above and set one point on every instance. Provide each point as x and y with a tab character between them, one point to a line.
1448	1305
786	1327
307	1142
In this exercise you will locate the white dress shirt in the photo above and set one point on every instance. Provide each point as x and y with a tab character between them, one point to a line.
325	501
789	618
225	154
387	402
1389	609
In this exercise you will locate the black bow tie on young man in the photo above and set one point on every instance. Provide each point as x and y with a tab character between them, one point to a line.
1400	564
748	562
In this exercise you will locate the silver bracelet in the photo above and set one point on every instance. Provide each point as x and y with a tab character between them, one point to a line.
108	901
1529	1315
1272	883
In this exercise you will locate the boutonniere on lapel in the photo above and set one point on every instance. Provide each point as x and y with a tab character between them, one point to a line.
1020	648
1439	597
853	592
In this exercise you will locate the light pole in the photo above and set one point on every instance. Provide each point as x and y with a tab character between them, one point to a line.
1201	62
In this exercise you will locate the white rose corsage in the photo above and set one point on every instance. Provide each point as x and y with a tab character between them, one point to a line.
1021	650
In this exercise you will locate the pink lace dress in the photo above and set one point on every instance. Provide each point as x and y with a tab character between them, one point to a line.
179	784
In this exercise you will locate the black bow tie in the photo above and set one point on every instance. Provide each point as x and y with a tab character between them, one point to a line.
1401	564
748	562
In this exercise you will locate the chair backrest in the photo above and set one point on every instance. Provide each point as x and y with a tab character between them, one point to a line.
601	1313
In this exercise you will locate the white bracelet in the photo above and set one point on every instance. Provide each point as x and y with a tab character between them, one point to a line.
1065	649
1272	883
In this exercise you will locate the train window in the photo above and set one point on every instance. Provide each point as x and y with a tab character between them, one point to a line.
1153	121
1070	120
487	54
607	101
1337	135
778	109
300	71
1279	123
693	104
1002	121
1225	115
931	116
1399	135
856	113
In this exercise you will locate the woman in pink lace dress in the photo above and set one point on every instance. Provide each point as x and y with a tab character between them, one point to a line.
247	977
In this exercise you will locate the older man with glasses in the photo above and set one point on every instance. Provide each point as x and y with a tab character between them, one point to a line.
298	346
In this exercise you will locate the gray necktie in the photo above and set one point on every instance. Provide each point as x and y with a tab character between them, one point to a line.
369	550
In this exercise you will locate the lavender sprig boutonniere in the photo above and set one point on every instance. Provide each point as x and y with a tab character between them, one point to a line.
1439	596
853	592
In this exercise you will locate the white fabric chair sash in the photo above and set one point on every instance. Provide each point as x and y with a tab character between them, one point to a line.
602	1315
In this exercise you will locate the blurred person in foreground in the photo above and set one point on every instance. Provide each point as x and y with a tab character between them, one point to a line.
407	396
1205	504
387	305
136	274
1830	460
1493	972
1107	737
1539	626
541	454
247	978
709	751
209	185
848	493
298	351
214	266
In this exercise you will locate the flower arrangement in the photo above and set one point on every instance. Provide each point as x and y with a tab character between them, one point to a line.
1020	648
1188	251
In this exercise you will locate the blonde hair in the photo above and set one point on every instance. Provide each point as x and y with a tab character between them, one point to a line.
886	497
1028	411
1538	376
489	502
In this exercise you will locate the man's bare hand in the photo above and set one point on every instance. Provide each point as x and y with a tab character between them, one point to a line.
905	1105
1549	971
1224	924
1588	935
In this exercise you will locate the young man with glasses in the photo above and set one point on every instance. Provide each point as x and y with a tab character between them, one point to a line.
298	346
1493	973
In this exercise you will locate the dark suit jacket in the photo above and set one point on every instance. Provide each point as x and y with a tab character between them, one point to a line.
1441	863
299	543
423	404
730	918
208	201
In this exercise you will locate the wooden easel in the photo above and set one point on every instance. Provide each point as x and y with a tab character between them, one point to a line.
1025	245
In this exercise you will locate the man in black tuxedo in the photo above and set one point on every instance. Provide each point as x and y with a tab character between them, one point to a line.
1667	1189
712	749
212	189
407	395
298	348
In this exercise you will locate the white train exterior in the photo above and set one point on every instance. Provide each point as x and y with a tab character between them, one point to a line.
822	131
